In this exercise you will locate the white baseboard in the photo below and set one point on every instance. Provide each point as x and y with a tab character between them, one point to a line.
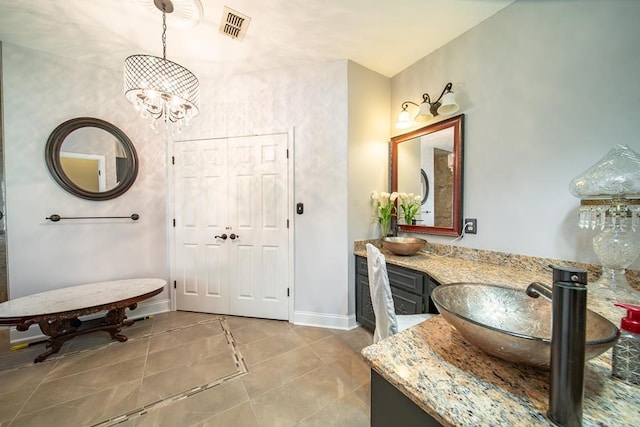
324	320
149	309
144	309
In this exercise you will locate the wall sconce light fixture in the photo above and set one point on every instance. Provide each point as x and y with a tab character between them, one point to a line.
427	110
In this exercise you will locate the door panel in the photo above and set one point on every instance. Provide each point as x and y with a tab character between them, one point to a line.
270	273
216	255
201	259
190	262
258	171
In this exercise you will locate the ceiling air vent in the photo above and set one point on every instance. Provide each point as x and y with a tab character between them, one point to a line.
234	24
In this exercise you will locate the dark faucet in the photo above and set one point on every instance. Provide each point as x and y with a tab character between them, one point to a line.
568	337
537	289
568	298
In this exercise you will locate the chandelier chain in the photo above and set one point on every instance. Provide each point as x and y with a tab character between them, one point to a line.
164	35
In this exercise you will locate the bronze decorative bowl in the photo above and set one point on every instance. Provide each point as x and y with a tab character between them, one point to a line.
509	324
404	246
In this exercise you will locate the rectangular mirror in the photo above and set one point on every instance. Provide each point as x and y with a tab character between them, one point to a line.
429	162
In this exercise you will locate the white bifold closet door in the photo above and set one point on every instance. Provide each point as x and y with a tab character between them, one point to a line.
231	238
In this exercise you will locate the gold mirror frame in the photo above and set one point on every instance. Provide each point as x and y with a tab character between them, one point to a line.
457	123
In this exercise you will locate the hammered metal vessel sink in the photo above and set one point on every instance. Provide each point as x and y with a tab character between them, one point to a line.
403	245
509	324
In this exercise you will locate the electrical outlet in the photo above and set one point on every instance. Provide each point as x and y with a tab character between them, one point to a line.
471	226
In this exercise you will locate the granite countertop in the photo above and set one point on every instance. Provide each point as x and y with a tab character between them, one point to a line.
460	385
446	269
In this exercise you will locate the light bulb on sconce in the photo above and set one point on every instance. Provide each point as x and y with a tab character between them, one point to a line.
427	110
404	119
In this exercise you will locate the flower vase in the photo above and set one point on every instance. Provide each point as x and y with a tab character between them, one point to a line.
384	227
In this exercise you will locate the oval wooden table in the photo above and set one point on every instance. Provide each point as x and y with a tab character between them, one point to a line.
57	311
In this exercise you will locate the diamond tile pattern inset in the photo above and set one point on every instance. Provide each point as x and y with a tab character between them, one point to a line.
188	369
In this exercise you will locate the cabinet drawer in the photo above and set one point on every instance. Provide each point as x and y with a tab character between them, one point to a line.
403	278
400	277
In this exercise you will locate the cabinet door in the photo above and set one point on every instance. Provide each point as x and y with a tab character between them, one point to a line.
431	286
406	303
410	290
364	308
389	406
361	266
403	302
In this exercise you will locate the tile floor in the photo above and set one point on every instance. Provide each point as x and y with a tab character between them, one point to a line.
191	369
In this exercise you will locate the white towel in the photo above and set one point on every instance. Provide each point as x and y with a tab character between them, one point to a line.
386	322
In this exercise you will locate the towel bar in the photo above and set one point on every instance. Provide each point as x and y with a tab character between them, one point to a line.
56	217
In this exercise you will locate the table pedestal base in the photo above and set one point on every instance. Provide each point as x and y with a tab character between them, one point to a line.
60	330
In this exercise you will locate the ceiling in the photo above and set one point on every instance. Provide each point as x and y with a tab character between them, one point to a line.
386	36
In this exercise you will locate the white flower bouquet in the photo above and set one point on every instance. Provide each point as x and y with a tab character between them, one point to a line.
410	206
385	206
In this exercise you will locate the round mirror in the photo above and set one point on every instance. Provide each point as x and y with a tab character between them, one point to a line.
91	158
424	182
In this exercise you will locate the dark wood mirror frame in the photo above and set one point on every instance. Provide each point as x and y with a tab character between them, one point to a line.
457	123
52	157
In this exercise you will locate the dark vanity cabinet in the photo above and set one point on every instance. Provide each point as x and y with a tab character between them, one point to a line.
411	291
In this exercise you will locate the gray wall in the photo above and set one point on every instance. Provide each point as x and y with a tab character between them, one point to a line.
311	100
368	146
43	90
40	92
548	88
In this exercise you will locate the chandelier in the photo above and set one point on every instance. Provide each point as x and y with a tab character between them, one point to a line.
161	89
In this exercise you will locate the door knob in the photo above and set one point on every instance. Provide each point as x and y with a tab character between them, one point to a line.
223	237
233	236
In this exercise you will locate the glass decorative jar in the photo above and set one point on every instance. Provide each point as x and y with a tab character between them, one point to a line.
616	247
610	201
